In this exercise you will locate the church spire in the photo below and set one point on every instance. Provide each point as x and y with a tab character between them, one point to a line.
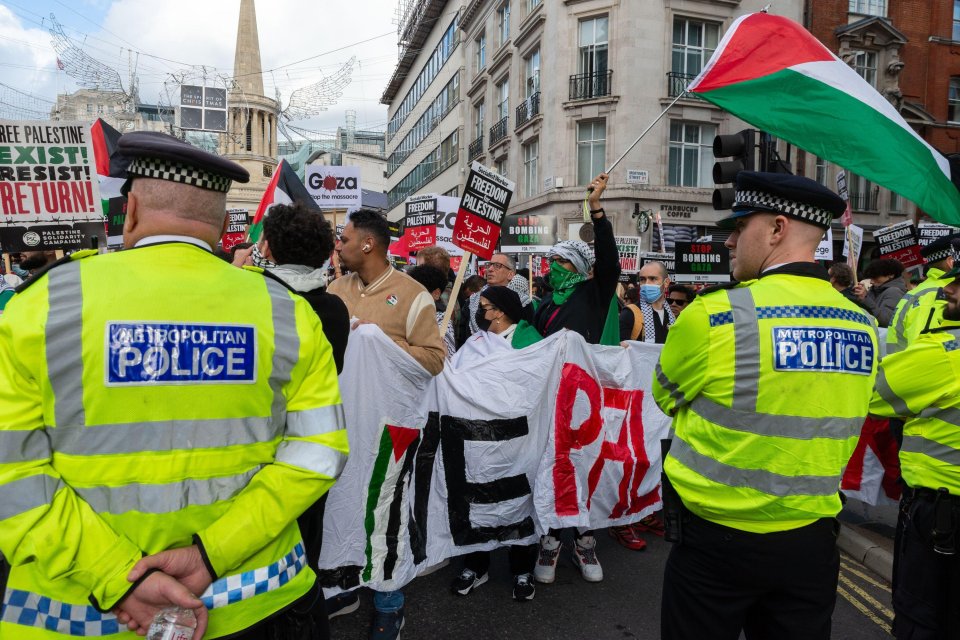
247	70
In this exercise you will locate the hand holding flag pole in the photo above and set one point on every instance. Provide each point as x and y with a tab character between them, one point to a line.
586	209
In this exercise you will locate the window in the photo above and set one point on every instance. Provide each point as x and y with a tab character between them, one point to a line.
532	4
869	7
503	105
865	64
690	162
89	109
442	156
453	193
503	23
500	166
593	46
531	66
693	44
480	49
863	193
956	19
896	202
821	170
448	98
478	110
953	101
531	180
591	150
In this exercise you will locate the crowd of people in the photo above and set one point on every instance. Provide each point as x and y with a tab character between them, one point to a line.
751	473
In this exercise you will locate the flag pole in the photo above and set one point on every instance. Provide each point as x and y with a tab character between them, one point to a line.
455	292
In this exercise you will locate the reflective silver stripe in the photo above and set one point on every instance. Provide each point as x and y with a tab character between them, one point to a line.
765	424
901	319
25	494
943	453
164	498
895	401
746	332
758	479
164	435
65	343
312	457
315	422
286	343
948	415
670	387
21	446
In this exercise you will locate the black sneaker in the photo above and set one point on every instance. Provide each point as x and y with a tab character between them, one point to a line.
523	587
342	604
467	581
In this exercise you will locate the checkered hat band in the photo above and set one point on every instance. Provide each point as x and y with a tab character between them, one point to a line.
937	256
33	610
177	172
762	200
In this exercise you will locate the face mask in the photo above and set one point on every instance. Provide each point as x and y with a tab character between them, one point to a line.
481	319
560	278
650	293
258	260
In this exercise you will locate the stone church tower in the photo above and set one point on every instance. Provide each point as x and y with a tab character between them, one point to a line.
252	120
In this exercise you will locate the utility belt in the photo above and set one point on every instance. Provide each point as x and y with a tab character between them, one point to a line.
946	515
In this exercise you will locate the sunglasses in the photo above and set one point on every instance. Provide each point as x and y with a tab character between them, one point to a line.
677	301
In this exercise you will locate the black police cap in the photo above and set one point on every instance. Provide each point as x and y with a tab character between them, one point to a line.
941	248
163	157
790	195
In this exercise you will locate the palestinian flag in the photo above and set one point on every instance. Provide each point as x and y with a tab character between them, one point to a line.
772	73
386	516
111	167
285	188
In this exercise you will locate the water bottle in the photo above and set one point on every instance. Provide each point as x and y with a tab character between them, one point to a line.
173	623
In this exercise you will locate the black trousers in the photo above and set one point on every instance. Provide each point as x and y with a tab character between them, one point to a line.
522	558
305	619
926	584
774	586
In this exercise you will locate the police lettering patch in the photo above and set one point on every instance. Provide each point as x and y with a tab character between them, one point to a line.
822	349
170	353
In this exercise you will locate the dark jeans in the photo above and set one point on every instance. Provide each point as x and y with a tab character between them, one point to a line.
555	533
305	619
522	559
772	586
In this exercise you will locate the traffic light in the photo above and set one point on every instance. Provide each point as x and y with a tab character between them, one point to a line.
739	147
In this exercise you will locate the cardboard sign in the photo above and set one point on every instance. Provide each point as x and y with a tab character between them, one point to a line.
702	262
628	247
236	228
48	186
928	232
853	235
482	210
420	222
668	259
899	241
334	187
825	248
526	233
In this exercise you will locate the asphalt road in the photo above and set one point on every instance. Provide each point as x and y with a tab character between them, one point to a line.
625	605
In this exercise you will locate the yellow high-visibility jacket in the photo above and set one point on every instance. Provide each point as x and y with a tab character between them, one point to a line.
917	310
768	384
148	399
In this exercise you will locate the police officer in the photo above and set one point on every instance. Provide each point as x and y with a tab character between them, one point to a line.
164	418
923	307
768	383
922	385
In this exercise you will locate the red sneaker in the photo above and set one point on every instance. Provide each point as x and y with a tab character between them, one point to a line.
626	536
651	524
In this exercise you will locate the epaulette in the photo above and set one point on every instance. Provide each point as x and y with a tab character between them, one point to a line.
76	255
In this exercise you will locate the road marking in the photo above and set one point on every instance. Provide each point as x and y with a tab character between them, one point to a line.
866	596
864	609
872	581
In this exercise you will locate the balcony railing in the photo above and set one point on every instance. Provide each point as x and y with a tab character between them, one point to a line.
499	131
584	86
528	109
475	149
864	201
677	83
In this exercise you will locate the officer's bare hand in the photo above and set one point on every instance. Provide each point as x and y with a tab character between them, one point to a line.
859	291
598	185
185	565
158	591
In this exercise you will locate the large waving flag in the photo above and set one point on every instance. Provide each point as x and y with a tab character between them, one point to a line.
285	187
111	167
772	73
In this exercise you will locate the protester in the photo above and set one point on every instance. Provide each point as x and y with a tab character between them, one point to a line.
678	297
648	320
119	470
32	262
761	433
376	293
921	385
500	271
580	303
499	312
841	279
435	281
922	308
886	289
439	258
471	285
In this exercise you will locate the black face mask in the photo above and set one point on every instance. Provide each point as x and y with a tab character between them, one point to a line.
481	319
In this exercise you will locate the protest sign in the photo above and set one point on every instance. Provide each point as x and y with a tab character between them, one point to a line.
928	232
48	186
482	209
116	215
333	187
526	233
236	229
854	235
668	260
702	262
628	247
825	248
899	241
420	222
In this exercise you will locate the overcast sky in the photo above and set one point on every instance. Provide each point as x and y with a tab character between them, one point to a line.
170	36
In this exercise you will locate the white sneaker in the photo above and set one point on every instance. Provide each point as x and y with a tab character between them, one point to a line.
546	569
585	557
